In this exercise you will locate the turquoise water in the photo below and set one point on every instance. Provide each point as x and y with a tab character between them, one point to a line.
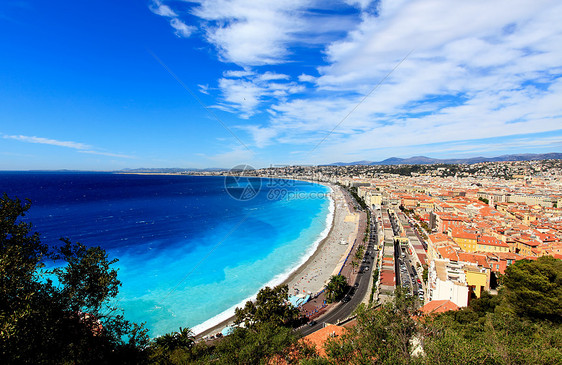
188	252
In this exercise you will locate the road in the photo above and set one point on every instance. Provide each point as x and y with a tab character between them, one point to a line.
343	310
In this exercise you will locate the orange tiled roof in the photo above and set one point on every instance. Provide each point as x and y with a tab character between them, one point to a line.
438	237
461	233
491	241
439	306
447	252
479	259
319	337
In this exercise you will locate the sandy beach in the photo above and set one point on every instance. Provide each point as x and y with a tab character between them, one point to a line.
330	255
326	261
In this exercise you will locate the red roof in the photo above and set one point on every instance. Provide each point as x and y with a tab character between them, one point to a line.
318	338
439	306
491	241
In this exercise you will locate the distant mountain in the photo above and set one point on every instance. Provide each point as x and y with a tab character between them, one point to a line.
350	163
422	160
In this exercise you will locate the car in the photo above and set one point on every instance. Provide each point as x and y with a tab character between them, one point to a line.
311	323
367	268
356	285
346	299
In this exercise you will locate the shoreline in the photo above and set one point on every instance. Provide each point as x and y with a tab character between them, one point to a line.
311	275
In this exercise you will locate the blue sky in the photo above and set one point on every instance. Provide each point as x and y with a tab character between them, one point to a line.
106	85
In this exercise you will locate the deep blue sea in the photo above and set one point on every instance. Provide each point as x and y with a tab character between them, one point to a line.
188	251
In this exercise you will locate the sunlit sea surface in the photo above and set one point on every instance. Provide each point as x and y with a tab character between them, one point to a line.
188	252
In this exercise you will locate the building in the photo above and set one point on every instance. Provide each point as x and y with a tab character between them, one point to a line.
447	281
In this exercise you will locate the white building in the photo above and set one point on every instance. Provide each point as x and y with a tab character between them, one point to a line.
447	281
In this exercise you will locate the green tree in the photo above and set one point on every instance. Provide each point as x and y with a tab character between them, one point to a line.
63	314
468	337
336	288
258	345
534	288
425	273
271	306
184	338
381	336
354	264
176	347
359	252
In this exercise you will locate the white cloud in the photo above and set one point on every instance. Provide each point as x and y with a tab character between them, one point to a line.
204	89
81	147
182	30
244	95
52	142
307	78
478	69
273	76
471	75
262	136
249	32
361	3
160	9
237	73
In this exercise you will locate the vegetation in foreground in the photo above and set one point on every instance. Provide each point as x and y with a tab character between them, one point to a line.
63	315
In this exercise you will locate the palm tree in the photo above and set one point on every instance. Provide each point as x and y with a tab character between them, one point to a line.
185	337
354	264
182	339
336	288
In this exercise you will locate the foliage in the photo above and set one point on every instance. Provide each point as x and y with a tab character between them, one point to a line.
374	288
425	273
469	337
359	253
176	347
484	333
336	288
271	306
358	199
70	321
259	344
184	338
354	264
534	288
484	200
513	327
381	336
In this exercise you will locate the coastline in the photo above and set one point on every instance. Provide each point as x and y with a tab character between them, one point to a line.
310	275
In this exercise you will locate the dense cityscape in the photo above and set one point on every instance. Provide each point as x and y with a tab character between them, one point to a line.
482	217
